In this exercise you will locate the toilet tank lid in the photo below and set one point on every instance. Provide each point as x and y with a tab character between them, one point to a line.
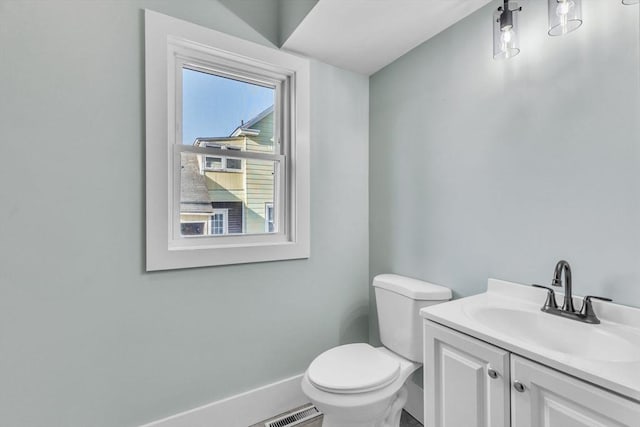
412	288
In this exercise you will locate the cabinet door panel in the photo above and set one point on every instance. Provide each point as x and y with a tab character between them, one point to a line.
554	399
458	388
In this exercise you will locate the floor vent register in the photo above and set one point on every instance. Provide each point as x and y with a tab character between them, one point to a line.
300	416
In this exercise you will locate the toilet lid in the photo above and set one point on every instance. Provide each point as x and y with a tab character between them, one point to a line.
353	368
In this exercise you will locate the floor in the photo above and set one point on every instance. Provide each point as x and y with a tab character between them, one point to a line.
405	421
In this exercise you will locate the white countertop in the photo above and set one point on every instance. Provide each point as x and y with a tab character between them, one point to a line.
611	366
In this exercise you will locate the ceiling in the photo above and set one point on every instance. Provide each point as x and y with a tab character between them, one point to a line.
366	35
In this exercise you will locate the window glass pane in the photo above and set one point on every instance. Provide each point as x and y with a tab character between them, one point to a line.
230	201
213	162
234	164
222	111
192	228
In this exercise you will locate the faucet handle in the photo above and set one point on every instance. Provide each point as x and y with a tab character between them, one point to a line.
590	297
587	308
551	297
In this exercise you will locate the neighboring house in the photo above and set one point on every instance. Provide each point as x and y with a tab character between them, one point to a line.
195	207
238	192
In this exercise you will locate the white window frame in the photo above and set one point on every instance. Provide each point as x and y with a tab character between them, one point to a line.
168	43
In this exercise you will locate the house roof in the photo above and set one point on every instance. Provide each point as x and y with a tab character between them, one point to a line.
194	196
242	130
246	127
201	141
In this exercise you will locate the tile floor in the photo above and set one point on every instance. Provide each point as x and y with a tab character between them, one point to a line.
405	421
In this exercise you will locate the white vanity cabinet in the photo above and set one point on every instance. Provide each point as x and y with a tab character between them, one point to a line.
548	398
466	380
474	384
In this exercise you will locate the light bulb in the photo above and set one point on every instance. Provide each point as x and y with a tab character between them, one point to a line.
563	9
506	35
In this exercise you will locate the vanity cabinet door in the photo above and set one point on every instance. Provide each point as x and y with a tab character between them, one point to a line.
466	381
548	398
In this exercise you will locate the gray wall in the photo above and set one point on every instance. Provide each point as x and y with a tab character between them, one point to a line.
274	19
481	168
292	12
87	338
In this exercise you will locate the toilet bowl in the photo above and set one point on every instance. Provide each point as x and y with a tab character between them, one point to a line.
357	385
360	400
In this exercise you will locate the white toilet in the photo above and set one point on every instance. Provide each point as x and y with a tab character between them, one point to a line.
357	385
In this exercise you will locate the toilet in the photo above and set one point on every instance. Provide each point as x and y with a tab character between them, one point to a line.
357	385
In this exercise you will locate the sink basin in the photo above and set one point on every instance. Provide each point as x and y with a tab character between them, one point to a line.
604	342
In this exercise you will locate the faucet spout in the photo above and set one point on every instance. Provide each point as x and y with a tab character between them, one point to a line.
563	266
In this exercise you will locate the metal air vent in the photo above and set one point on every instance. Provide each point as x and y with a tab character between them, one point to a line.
303	414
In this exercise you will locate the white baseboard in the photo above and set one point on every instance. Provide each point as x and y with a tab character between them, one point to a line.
241	410
415	401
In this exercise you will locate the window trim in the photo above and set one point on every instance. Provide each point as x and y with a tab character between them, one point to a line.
229	51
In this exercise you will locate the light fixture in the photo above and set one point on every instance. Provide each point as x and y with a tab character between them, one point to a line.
628	2
564	16
505	31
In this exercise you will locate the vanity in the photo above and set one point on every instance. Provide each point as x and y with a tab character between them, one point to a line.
497	360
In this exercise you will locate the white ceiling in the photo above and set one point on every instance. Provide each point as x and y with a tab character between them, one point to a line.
366	35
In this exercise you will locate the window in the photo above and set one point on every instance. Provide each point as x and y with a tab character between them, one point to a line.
233	164
227	126
219	222
213	163
269	225
192	228
226	164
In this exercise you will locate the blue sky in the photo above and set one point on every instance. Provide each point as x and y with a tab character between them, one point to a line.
214	106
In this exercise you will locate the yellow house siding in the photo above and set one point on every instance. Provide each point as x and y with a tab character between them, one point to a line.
259	191
260	176
264	141
225	186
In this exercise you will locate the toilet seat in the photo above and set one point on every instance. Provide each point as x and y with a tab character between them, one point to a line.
353	368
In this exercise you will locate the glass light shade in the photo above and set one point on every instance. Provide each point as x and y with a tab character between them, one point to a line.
506	43
564	16
628	2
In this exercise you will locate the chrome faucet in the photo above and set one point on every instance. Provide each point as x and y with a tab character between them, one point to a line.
586	313
561	266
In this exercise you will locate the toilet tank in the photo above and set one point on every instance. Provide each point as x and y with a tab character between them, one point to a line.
398	302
